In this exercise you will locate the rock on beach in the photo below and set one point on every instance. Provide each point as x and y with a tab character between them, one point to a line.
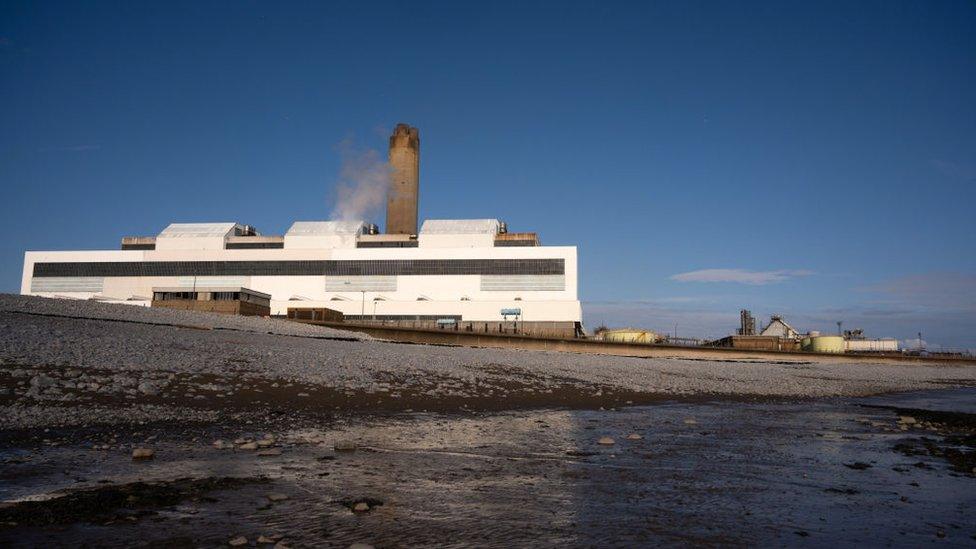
143	453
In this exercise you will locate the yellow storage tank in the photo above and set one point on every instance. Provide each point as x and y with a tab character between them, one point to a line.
630	335
824	344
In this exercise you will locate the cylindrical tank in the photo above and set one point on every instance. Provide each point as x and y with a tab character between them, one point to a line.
630	335
825	344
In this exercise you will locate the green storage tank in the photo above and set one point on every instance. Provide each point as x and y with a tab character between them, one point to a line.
823	344
630	335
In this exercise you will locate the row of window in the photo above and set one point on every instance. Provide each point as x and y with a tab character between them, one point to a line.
456	318
388	244
370	267
254	245
211	296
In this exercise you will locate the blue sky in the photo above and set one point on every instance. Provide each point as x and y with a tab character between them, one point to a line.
816	160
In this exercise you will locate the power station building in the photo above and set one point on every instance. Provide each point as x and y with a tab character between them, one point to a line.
471	271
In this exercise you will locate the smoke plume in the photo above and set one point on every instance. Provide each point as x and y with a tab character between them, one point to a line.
361	188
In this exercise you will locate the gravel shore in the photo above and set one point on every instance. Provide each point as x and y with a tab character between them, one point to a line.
67	362
174	428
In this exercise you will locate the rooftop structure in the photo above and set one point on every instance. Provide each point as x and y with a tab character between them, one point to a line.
779	328
454	233
196	236
323	234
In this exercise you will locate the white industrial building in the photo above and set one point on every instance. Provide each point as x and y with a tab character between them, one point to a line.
469	271
461	269
881	345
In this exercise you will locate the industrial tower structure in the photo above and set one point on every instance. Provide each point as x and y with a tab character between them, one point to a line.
401	200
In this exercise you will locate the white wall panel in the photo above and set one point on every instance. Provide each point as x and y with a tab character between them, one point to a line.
518	283
213	281
68	284
360	283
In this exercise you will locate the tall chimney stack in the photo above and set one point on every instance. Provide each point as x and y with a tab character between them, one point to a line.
401	197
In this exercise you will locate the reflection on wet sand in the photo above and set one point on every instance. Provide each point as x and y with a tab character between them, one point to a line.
802	473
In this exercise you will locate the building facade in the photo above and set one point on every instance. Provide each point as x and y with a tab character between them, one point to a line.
467	270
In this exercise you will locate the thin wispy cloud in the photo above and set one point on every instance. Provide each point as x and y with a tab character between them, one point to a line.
955	170
741	276
73	148
938	291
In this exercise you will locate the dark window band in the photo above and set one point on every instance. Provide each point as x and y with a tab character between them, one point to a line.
253	245
370	267
393	244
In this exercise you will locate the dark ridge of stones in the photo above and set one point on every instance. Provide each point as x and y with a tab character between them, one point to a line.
109	503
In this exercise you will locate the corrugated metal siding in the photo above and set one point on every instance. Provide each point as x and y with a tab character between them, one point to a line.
196	230
68	284
212	282
515	283
360	283
460	226
318	228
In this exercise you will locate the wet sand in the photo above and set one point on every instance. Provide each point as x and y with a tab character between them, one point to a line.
845	471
